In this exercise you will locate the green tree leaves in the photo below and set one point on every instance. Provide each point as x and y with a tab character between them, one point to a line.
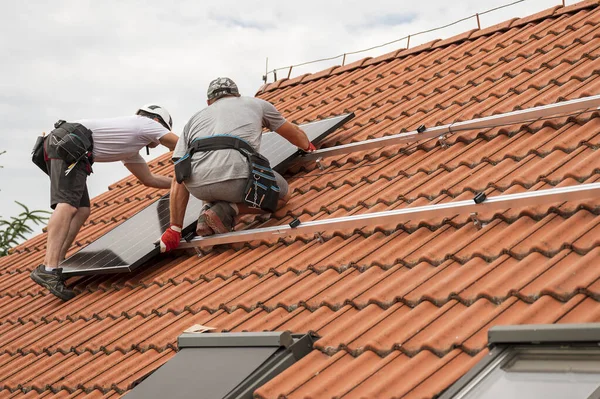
13	231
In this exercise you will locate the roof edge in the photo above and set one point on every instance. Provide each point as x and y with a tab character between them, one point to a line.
434	44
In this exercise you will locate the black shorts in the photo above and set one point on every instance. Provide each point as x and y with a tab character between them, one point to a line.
70	189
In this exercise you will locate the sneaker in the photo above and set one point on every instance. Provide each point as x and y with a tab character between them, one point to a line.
220	217
202	228
53	282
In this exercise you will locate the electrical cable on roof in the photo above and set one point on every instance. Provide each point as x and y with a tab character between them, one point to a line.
576	114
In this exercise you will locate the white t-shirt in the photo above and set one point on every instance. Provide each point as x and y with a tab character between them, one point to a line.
121	139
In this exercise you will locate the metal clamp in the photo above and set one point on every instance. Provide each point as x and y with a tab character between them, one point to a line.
480	197
320	238
295	223
473	217
442	140
319	164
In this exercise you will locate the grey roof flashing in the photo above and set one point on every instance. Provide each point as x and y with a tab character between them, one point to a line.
544	334
235	339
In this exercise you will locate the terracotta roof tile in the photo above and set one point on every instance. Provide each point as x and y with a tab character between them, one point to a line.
581	5
490	30
353	65
385	57
455	39
537	16
400	308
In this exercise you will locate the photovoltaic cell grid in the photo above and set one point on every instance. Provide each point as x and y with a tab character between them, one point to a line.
129	245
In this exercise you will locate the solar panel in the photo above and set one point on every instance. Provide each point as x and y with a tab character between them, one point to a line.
280	152
129	245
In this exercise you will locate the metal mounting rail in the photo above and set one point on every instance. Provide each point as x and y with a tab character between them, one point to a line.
480	123
532	198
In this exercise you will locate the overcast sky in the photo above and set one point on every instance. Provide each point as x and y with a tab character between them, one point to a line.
94	59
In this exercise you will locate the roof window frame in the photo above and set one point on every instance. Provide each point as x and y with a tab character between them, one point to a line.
504	341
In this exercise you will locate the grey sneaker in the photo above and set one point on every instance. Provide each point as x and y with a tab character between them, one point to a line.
53	282
220	217
202	228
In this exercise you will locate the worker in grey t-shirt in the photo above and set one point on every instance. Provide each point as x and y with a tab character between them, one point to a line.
219	177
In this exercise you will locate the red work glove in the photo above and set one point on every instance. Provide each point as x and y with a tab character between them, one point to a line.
170	238
311	147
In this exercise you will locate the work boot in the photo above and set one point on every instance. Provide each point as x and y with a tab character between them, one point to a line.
220	217
53	282
202	228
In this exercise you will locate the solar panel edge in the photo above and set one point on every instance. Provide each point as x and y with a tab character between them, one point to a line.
287	162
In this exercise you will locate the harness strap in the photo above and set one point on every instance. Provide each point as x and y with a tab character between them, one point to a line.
261	189
221	142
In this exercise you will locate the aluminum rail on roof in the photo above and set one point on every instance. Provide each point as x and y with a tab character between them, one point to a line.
480	123
532	198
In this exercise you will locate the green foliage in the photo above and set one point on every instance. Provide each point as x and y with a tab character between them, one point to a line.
13	231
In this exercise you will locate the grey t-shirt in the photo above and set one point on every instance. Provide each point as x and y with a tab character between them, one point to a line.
243	117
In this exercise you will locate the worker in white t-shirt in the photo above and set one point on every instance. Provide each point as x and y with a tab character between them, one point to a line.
69	151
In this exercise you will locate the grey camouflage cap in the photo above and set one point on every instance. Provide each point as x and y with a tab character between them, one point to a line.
222	87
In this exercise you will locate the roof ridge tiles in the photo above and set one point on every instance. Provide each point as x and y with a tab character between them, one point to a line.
434	44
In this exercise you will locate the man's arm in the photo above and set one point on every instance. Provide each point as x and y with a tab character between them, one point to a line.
178	202
147	178
294	135
169	140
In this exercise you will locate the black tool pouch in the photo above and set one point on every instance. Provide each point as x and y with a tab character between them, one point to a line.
183	168
37	155
74	145
261	190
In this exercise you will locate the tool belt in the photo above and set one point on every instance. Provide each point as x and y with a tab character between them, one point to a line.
261	190
71	142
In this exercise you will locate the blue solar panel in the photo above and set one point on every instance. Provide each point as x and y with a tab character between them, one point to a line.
129	245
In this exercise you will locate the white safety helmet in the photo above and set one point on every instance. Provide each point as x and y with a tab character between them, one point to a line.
159	111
